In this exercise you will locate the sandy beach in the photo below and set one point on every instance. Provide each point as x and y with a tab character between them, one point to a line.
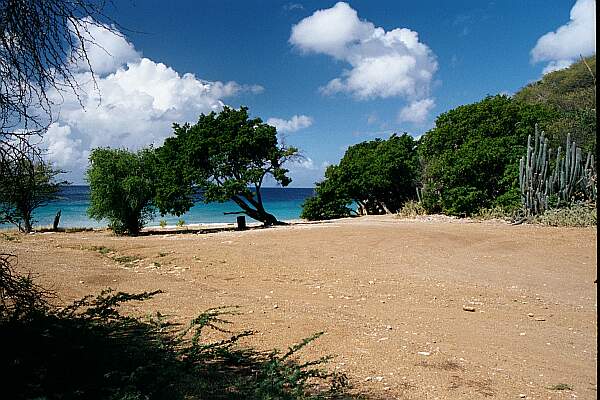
412	309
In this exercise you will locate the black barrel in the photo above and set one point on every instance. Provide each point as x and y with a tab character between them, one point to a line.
241	223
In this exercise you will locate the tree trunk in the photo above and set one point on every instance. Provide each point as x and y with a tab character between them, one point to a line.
56	220
259	213
27	224
385	208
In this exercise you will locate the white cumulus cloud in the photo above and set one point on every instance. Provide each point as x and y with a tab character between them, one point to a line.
134	103
576	38
293	124
383	64
417	111
106	49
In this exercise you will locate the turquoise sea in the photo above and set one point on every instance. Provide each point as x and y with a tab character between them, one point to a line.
284	203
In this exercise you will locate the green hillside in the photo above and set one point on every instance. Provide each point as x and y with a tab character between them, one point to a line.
571	92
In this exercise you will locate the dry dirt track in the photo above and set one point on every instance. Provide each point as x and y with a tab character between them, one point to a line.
388	292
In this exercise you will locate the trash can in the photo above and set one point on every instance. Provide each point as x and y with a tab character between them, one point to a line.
241	223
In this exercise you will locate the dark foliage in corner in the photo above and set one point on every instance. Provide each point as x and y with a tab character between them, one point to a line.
40	42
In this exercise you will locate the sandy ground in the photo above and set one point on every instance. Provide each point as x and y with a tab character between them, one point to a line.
390	295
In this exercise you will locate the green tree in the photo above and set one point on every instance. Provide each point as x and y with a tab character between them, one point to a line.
227	156
331	199
122	188
378	176
27	182
470	158
571	92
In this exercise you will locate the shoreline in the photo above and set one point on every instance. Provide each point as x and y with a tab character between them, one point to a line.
213	225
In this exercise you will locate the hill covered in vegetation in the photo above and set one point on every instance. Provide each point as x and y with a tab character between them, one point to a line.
571	92
469	160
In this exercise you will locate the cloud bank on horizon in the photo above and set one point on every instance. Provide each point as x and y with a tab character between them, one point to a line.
131	103
383	64
576	38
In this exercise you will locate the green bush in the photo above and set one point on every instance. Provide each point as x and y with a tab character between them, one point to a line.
470	158
572	93
330	201
378	176
122	188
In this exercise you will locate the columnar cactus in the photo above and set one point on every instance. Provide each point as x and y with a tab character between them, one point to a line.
571	180
533	169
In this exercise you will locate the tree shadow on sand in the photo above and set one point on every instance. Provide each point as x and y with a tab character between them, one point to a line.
89	350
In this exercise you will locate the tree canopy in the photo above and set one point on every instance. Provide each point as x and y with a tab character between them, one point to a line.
378	175
470	158
331	199
122	188
227	156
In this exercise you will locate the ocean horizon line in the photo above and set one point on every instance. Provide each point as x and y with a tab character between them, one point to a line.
73	202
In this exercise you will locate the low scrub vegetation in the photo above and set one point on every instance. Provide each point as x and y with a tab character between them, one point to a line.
509	215
578	215
479	159
412	209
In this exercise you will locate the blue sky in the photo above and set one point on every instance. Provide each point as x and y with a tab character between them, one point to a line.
342	72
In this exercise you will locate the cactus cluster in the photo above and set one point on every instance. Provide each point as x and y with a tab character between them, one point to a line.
571	180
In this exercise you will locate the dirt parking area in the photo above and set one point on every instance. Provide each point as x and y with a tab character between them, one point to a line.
411	309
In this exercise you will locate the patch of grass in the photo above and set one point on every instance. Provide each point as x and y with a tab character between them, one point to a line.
65	230
75	229
89	350
10	238
125	259
561	386
162	223
497	212
101	249
180	223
